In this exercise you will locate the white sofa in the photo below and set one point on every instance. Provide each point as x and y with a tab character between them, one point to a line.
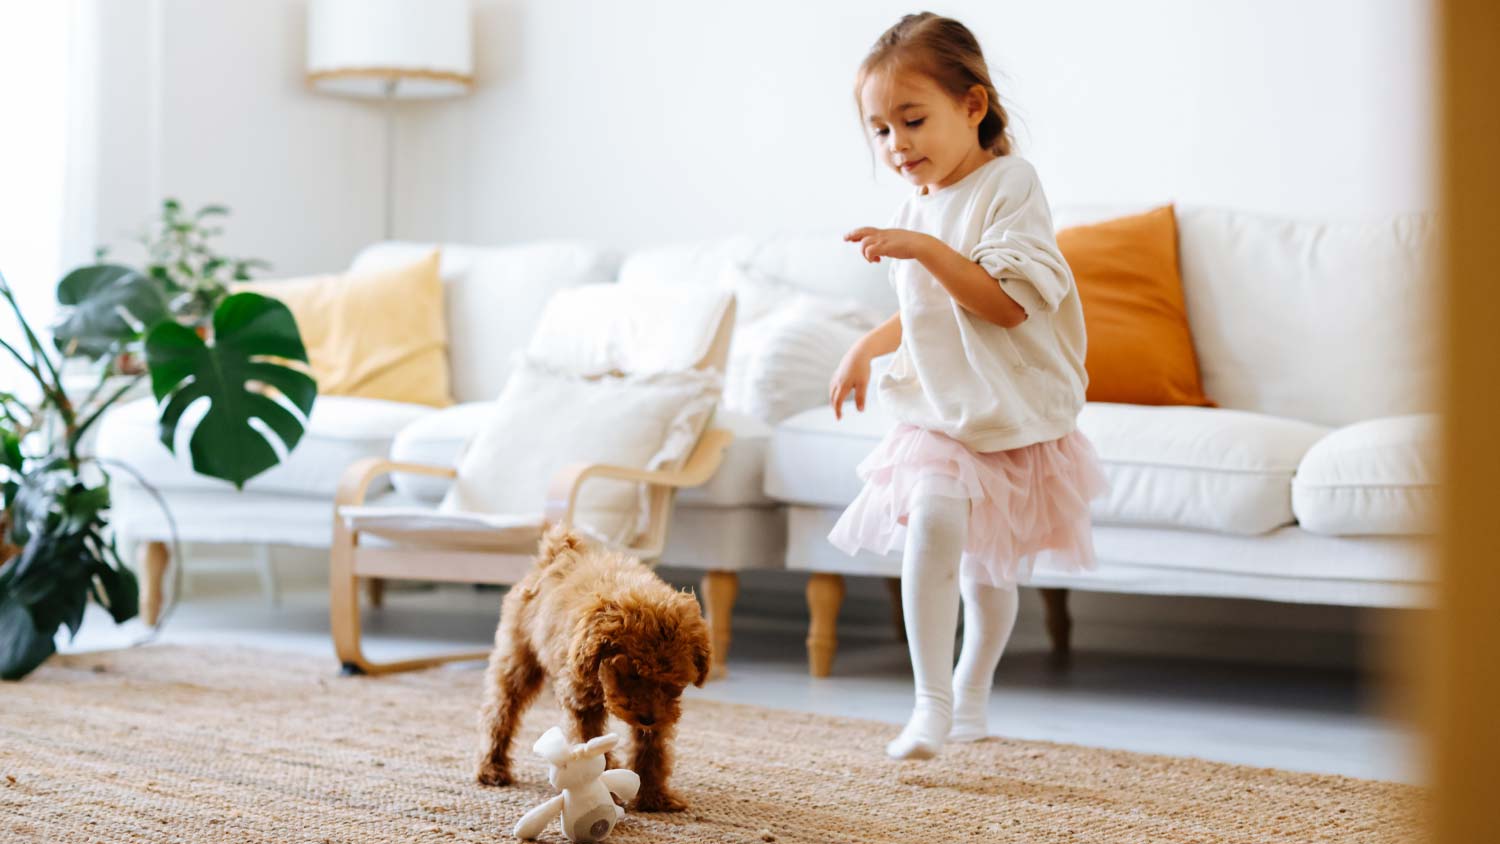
1313	481
494	296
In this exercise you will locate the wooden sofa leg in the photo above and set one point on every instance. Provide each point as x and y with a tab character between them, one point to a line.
720	588
1059	625
154	559
898	616
375	591
825	594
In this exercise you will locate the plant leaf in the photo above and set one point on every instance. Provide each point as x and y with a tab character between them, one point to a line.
118	591
105	305
22	646
10	452
234	375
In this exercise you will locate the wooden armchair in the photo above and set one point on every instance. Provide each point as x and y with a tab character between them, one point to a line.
505	561
422	545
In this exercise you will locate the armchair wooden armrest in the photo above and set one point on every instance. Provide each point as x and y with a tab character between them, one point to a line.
707	456
355	482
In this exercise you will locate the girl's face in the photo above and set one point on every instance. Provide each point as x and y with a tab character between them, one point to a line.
921	132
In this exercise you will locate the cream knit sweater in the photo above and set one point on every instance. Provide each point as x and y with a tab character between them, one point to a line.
991	388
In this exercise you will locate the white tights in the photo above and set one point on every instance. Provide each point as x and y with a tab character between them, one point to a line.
949	704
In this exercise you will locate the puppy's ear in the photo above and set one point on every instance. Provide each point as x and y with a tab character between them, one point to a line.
693	636
596	636
703	659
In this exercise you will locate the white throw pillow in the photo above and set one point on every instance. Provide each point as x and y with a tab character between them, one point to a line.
786	344
437	439
785	363
604	328
545	420
758	296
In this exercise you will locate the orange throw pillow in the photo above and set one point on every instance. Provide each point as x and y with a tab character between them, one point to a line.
1140	350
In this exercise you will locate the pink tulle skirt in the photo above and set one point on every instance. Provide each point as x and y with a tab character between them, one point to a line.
1028	506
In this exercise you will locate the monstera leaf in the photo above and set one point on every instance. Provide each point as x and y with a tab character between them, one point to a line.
240	377
105	305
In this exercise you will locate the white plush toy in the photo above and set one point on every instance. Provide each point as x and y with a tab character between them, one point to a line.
588	813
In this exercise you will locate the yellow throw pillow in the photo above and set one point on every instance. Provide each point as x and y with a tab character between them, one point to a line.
375	334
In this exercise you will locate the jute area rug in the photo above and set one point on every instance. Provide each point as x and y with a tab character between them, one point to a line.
186	745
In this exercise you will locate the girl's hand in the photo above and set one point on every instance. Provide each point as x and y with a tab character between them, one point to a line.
875	244
853	374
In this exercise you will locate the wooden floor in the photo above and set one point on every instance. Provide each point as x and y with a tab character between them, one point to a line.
1309	719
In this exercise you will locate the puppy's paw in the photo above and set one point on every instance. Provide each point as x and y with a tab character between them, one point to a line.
492	775
660	800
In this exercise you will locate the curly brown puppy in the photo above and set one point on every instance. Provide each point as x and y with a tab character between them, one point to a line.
614	638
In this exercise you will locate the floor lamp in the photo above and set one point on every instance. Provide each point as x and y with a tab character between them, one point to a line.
390	50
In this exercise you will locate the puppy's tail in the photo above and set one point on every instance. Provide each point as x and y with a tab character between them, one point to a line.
558	544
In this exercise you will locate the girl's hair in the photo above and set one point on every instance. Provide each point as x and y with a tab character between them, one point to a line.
947	52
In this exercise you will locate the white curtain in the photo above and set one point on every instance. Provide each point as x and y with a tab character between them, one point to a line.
45	153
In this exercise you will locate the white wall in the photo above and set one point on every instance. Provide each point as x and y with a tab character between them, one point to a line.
204	100
641	122
33	77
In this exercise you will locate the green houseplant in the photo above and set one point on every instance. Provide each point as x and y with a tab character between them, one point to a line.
175	322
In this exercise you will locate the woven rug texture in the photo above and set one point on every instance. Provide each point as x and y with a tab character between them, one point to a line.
178	744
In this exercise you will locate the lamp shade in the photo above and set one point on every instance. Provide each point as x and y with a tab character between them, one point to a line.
390	48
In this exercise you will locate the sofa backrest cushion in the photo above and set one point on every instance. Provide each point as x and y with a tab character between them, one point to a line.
821	264
494	297
1328	322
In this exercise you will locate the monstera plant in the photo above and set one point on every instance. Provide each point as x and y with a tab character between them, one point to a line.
176	322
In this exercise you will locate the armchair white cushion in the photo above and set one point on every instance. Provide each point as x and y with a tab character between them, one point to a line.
439	440
545	420
1377	477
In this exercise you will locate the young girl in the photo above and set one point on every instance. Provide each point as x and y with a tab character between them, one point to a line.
985	471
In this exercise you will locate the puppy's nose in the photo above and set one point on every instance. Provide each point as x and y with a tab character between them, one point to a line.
646	720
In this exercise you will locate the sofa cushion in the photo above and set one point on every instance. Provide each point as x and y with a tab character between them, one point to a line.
1198	468
439	438
493	297
813	455
820	264
376	334
341	430
435	440
1186	467
598	329
1282	310
740	479
1377	477
786	343
1140	345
